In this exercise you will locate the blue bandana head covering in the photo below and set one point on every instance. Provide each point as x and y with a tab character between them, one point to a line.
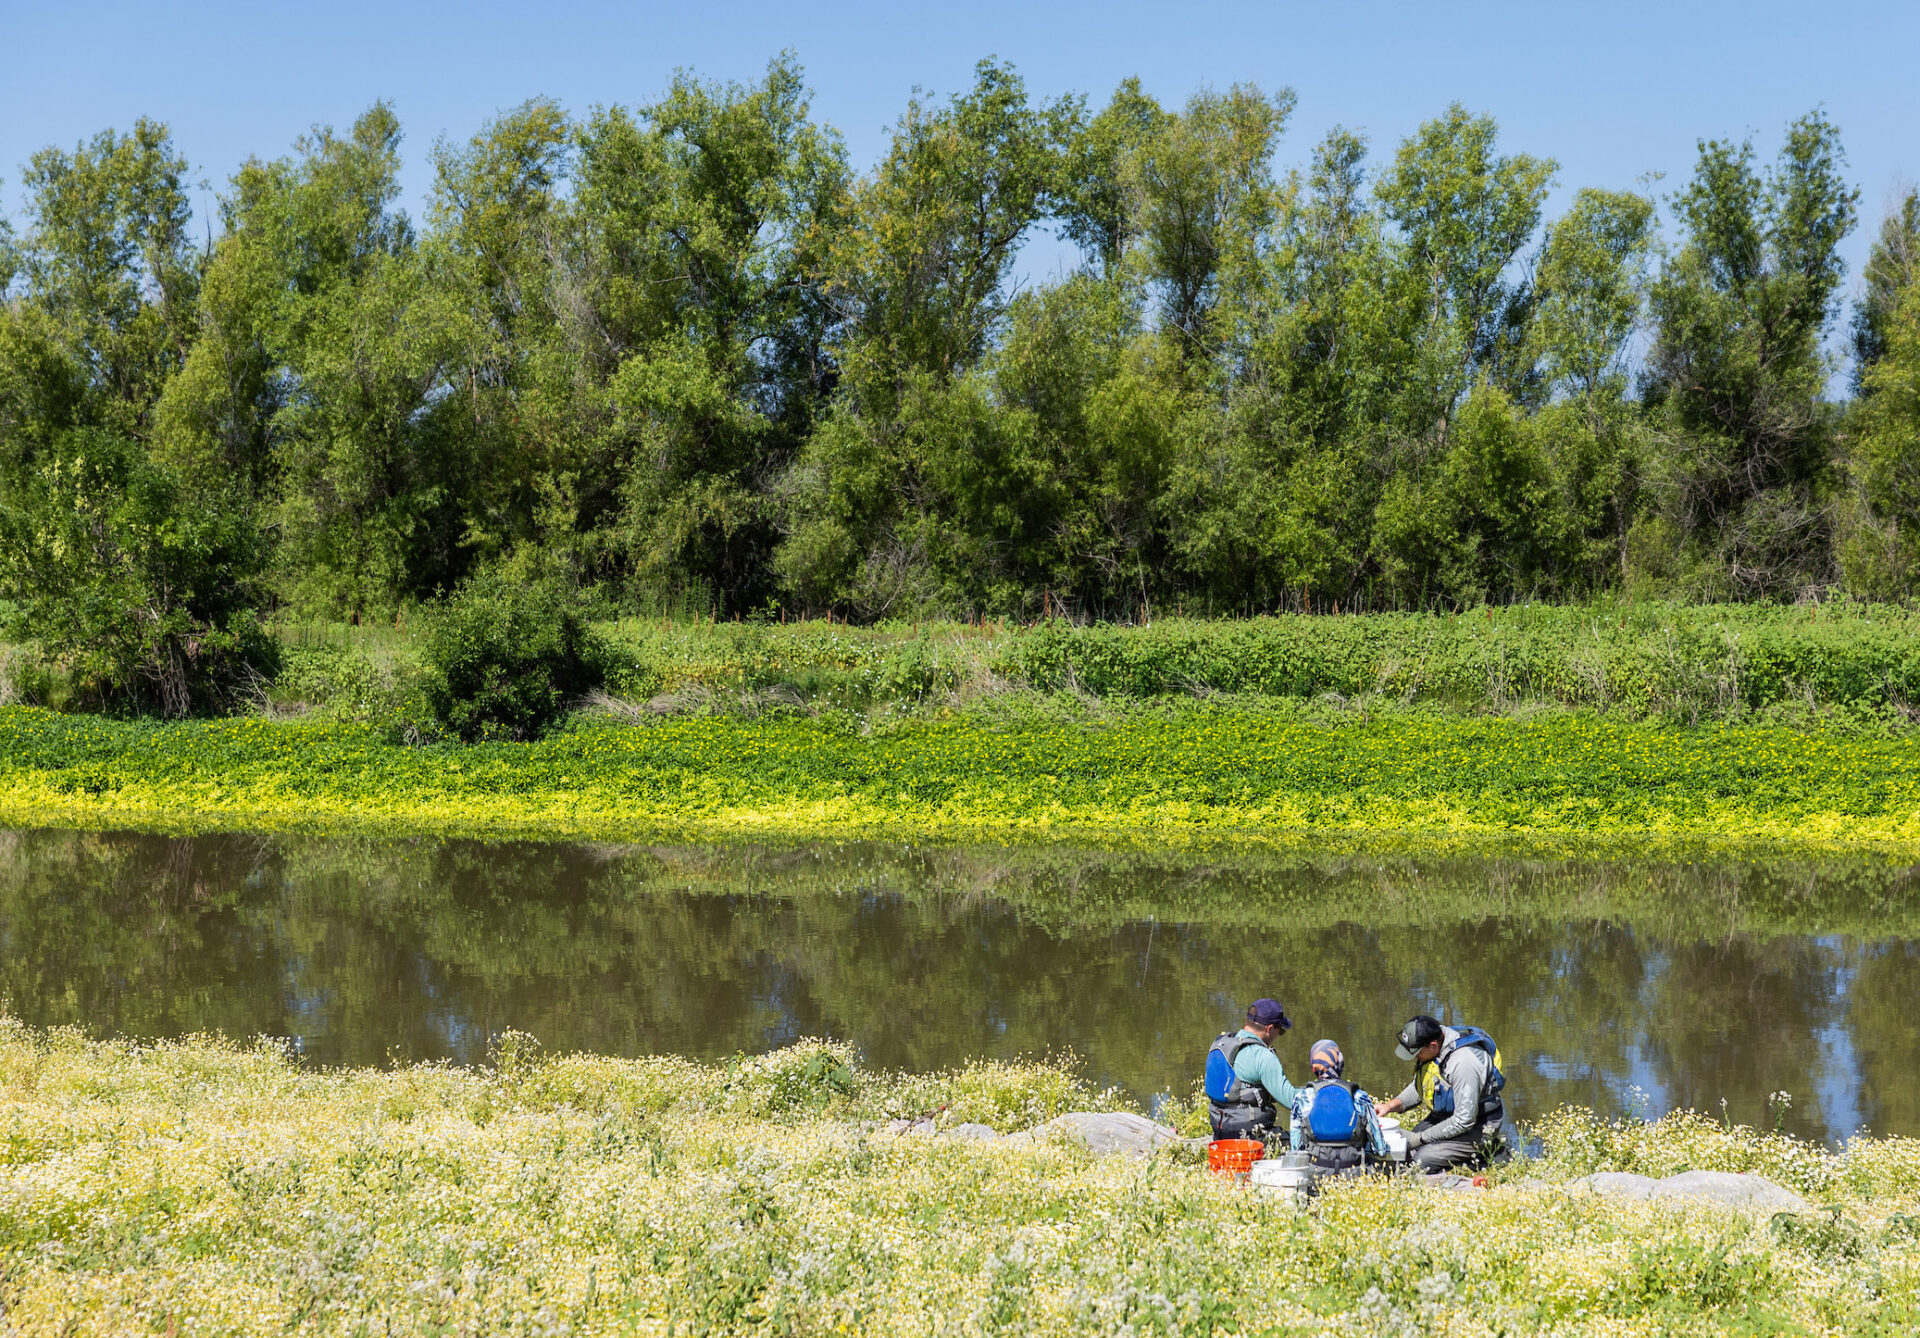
1325	1060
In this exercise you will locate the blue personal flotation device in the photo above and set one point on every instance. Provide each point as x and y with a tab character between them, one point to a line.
1236	1108
1334	1118
1439	1094
1222	1083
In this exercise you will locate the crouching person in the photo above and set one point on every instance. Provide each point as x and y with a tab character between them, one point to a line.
1333	1121
1457	1076
1246	1087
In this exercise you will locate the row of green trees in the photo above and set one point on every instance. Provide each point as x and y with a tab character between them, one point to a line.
685	353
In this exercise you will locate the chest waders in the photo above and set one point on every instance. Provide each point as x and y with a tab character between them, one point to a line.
1236	1108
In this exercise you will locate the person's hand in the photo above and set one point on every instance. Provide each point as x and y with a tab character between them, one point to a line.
1415	1137
1384	1108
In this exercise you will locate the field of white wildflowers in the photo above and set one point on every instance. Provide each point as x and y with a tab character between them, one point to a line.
205	1188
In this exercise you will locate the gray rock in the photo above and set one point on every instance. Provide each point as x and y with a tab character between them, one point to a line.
1103	1133
1622	1184
1755	1193
970	1132
1728	1189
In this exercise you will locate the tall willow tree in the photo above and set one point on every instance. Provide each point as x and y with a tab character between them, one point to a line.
1096	212
1202	192
682	354
1738	372
1892	266
1878	545
139	579
705	221
108	264
499	223
1271	500
654	342
1591	282
916	492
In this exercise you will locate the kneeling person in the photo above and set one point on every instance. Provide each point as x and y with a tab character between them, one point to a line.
1457	1075
1246	1087
1334	1121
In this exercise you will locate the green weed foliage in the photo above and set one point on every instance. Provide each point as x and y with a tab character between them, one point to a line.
1845	665
1849	666
1195	770
203	1187
1677	663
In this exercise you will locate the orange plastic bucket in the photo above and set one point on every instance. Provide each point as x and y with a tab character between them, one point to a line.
1234	1156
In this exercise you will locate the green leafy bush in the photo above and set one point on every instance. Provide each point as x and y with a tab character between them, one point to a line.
139	587
505	658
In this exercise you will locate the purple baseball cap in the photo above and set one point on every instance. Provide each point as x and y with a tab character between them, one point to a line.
1268	1012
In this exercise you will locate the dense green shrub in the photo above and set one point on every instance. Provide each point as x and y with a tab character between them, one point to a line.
504	658
140	587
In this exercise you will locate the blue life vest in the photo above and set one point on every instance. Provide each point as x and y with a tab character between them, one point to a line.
1333	1113
1236	1108
1224	1086
1439	1093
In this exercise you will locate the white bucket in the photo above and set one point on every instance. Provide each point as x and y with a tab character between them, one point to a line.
1279	1175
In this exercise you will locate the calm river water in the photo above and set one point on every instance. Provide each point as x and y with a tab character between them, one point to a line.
1615	984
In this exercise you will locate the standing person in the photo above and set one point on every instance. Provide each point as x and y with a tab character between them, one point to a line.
1246	1087
1457	1075
1333	1121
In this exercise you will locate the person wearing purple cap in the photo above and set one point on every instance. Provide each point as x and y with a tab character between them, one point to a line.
1246	1087
1332	1121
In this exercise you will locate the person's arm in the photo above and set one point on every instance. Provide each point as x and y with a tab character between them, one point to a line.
1257	1063
1409	1098
1466	1080
1297	1122
1376	1138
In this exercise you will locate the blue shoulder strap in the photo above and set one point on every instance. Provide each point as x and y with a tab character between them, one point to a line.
1476	1037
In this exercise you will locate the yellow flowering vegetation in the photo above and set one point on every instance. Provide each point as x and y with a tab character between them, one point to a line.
1152	773
200	1187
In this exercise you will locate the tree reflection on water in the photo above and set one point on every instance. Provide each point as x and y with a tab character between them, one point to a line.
1691	982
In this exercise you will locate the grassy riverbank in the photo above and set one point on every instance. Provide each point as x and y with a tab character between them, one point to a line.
1844	664
1235	771
197	1188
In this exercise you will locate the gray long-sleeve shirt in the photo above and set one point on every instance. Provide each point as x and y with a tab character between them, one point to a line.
1467	1070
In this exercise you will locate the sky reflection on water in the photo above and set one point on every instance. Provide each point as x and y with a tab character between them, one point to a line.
1602	980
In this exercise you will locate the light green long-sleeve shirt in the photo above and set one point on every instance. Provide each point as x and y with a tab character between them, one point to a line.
1259	1064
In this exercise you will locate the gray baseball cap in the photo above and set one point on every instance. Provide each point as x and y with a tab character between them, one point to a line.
1417	1035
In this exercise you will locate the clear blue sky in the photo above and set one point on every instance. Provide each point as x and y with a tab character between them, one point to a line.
1611	91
